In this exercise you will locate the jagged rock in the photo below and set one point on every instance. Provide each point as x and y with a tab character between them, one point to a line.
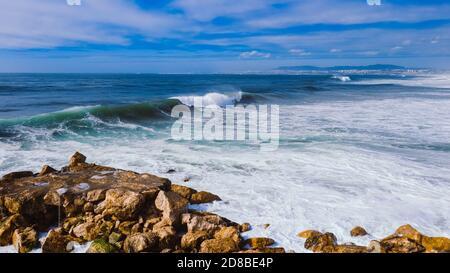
56	242
70	222
185	192
167	237
76	159
431	244
141	242
209	223
308	233
228	232
172	206
318	243
46	169
203	197
7	228
24	240
358	231
259	242
123	204
17	175
101	246
87	231
400	244
192	240
218	246
244	227
96	195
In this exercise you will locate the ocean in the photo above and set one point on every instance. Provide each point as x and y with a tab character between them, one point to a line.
364	148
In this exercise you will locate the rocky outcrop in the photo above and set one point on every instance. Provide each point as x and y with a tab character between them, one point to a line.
203	197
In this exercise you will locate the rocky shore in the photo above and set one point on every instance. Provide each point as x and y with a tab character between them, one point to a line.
116	210
123	211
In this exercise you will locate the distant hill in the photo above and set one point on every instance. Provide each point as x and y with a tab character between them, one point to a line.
334	68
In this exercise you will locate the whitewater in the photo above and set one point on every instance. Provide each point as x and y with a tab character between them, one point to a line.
352	152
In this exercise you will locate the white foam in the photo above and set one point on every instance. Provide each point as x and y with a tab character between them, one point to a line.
213	98
419	80
342	78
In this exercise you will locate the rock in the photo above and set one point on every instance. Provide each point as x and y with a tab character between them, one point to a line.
186	179
101	246
318	243
345	249
259	242
7	228
24	240
126	227
17	175
204	197
87	231
308	233
192	240
76	159
121	203
265	226
218	246
56	242
400	244
46	169
375	247
96	195
70	222
358	231
172	205
431	244
171	171
141	242
228	232
185	192
167	237
264	250
244	227
115	238
209	223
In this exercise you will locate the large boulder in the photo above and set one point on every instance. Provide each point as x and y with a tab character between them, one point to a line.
121	203
400	244
321	242
203	197
24	240
431	244
7	228
172	206
228	232
219	246
208	222
141	242
192	240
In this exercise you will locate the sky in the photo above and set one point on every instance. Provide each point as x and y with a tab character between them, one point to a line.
219	36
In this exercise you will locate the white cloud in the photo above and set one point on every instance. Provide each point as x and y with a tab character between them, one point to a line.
335	50
299	52
254	54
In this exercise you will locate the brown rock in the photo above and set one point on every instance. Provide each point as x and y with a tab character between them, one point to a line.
209	223
172	205
121	203
56	242
431	244
76	159
126	227
46	169
400	244
358	231
264	250
101	246
320	242
192	240
204	197
24	240
259	242
345	249
167	237
96	195
218	246
185	192
244	227
17	175
7	228
141	242
87	231
308	233
228	232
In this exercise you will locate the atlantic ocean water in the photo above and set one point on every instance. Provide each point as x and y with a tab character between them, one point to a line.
368	149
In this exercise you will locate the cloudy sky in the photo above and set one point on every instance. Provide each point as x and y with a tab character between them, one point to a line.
214	36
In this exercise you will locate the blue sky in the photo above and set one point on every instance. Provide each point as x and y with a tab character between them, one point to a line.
219	36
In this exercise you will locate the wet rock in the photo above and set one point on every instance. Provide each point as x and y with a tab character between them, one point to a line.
244	227
228	232
7	228
358	231
192	240
400	244
76	159
218	246
209	223
56	242
101	246
172	206
259	242
185	192
24	240
319	243
431	244
141	242
204	197
16	175
46	169
123	204
308	233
